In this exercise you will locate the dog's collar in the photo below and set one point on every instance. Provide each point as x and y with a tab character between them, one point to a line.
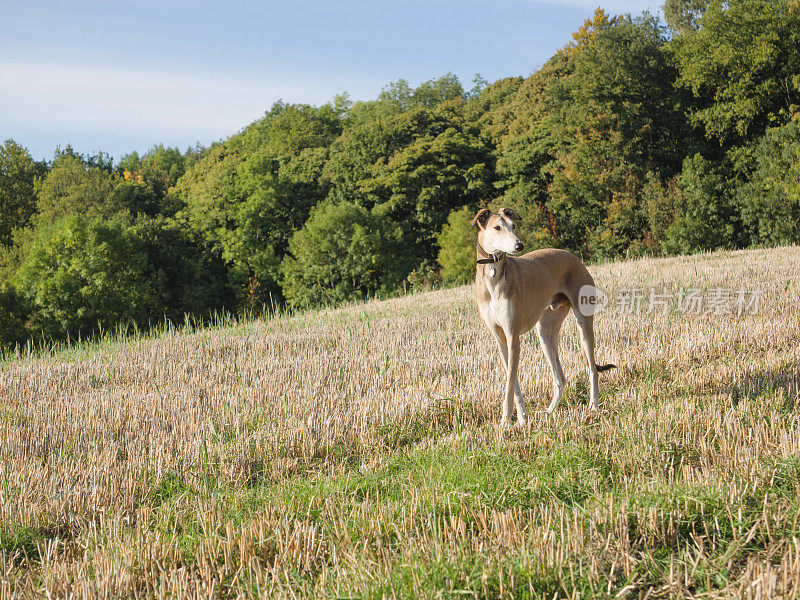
488	258
487	261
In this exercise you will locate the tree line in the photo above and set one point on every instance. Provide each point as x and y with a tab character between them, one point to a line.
635	138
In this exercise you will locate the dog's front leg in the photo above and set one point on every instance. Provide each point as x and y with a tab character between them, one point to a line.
511	383
502	345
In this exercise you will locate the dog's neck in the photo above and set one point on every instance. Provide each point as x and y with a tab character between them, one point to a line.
490	265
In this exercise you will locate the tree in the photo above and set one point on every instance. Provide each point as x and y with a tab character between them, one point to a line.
683	16
17	196
135	197
704	214
291	128
491	110
742	64
399	97
420	185
13	315
74	187
185	275
435	91
159	169
277	196
590	125
457	246
82	273
250	194
770	201
208	192
413	169
343	252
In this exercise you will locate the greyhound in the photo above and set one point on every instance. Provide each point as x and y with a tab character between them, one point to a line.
538	288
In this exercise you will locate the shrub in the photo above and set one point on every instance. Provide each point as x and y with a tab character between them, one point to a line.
81	273
186	275
343	252
457	246
705	216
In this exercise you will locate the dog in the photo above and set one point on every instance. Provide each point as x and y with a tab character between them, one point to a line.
536	289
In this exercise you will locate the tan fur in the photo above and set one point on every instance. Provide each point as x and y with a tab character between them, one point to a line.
536	289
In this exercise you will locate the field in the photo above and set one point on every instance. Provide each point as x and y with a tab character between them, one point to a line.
357	453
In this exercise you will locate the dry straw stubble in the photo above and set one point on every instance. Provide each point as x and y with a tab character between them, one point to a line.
356	452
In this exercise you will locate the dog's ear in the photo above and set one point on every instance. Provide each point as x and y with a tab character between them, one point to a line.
511	214
481	218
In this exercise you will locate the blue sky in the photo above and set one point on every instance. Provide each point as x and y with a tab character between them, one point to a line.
113	76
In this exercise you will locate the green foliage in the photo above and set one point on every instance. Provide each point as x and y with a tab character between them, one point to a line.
399	97
683	16
413	170
165	164
156	173
457	246
208	191
74	187
249	195
17	197
343	252
491	109
136	198
703	212
290	128
603	150
590	125
770	201
186	277
741	63
80	274
277	195
13	315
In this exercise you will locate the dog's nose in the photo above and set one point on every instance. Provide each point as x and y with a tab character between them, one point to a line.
518	247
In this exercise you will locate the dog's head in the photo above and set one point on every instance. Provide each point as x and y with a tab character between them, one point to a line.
496	231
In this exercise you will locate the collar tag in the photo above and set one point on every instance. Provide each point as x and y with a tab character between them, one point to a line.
492	272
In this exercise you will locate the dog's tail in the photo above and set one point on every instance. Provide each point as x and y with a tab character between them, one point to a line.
601	368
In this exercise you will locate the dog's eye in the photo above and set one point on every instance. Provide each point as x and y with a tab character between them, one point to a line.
497	227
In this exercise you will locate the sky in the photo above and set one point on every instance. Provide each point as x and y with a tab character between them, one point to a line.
122	76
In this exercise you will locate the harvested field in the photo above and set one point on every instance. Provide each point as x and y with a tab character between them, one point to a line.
357	452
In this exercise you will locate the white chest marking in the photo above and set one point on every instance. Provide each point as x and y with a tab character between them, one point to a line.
498	311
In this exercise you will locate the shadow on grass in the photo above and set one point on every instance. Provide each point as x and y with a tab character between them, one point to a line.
769	384
22	544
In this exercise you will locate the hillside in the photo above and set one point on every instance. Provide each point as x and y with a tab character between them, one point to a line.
356	452
632	139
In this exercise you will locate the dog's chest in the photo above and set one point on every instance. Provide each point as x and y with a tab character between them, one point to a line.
497	311
494	304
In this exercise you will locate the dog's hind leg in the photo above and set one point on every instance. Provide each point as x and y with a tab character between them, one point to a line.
547	329
586	326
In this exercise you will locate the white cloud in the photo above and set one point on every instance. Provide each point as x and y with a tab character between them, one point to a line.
136	101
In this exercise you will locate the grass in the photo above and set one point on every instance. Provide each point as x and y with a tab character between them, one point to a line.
357	453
